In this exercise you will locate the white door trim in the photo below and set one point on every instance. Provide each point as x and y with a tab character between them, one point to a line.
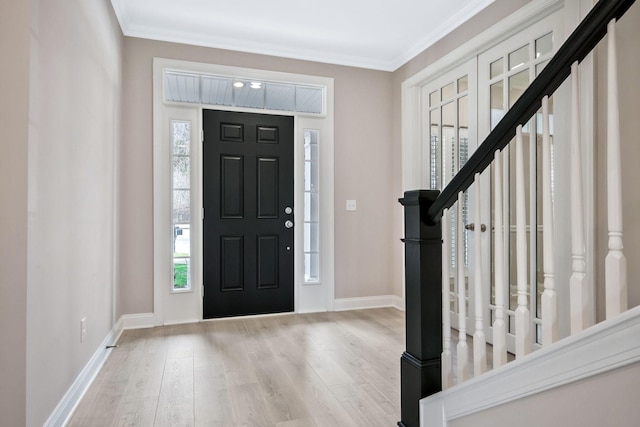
315	297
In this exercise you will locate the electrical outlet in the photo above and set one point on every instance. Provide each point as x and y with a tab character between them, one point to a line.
83	329
351	205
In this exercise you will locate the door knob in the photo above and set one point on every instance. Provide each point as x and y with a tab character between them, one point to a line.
288	223
472	227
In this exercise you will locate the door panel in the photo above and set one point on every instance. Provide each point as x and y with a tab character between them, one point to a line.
268	262
268	197
232	186
247	184
504	73
449	129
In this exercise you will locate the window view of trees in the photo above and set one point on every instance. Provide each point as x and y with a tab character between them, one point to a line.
181	138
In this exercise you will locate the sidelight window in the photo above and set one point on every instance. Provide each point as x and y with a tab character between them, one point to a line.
311	208
181	204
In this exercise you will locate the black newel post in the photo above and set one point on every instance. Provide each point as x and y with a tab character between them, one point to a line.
420	365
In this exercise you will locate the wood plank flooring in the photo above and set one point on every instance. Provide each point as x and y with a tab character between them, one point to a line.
293	370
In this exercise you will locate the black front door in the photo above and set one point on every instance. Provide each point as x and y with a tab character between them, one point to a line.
248	209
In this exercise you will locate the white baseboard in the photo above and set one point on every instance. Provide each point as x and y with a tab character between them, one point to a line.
343	304
138	321
398	303
62	413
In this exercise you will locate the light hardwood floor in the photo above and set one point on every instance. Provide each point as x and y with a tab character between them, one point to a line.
293	370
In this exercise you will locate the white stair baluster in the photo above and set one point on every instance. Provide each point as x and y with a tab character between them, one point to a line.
549	297
462	348
499	325
479	340
447	365
577	283
523	318
615	262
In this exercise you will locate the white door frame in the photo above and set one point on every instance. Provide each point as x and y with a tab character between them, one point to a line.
186	307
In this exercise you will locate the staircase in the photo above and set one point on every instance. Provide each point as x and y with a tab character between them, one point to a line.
594	359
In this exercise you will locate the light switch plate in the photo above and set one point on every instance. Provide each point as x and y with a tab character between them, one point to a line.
351	205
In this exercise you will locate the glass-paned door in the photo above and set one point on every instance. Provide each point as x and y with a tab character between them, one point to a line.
504	73
449	138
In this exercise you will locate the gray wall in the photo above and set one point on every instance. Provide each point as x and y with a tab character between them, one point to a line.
75	84
609	399
363	149
14	122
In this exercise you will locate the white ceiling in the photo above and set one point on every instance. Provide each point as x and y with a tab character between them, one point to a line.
376	34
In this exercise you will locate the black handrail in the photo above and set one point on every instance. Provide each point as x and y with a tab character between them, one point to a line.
582	41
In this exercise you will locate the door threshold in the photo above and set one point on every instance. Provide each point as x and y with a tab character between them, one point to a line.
249	316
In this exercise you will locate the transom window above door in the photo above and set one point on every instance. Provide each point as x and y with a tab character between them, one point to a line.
241	92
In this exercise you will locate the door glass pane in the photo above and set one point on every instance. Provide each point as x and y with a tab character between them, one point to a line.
518	83
496	68
280	97
181	172
311	207
309	99
540	67
463	150
216	90
182	87
434	98
250	94
449	164
180	132
496	102
519	58
181	207
435	150
463	84
181	204
463	129
453	238
544	45
447	92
